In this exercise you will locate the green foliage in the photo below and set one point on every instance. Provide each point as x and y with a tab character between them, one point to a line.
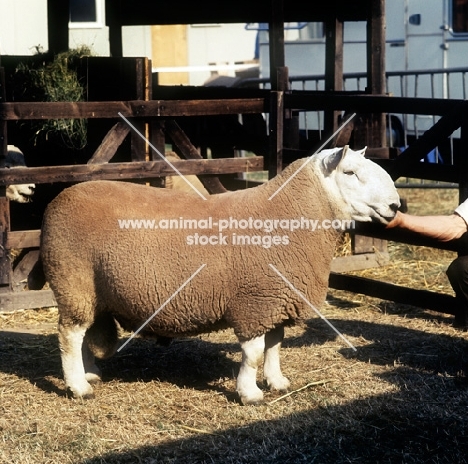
55	81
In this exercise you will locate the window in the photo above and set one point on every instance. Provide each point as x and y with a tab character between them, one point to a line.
460	16
86	13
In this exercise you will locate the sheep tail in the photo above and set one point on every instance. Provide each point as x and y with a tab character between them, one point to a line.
102	336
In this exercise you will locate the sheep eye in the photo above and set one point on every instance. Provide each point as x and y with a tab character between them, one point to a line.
349	173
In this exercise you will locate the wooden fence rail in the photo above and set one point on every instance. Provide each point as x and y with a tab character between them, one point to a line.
129	170
453	116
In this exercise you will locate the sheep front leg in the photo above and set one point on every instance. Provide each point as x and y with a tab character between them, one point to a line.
252	353
71	342
271	369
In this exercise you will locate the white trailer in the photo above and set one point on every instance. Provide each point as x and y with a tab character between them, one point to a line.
426	53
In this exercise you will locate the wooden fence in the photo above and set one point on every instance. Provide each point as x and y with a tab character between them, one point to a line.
159	117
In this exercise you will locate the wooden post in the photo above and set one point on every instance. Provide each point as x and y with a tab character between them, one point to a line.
275	128
58	16
115	28
463	168
5	265
142	92
276	43
3	123
279	84
333	68
372	127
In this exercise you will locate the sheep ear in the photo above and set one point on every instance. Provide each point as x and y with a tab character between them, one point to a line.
331	162
362	152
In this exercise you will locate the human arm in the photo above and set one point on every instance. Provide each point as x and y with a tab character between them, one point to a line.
443	228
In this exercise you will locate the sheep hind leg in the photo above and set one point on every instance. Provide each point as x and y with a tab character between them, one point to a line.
271	369
100	342
252	353
71	343
92	372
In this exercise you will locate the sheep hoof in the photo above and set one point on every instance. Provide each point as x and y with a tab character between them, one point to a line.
252	399
92	377
250	402
93	374
87	394
280	384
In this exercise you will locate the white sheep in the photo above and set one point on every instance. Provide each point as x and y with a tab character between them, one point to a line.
102	272
21	193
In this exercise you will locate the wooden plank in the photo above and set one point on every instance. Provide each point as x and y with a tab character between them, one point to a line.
296	100
366	244
130	170
359	262
428	171
442	129
23	269
16	111
350	102
110	143
23	239
188	151
422	298
142	12
27	300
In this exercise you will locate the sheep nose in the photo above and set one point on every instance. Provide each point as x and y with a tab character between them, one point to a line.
394	207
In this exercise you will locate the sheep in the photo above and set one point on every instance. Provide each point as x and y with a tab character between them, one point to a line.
178	183
105	275
21	193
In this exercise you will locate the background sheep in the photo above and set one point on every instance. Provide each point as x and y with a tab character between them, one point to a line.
100	272
21	193
177	183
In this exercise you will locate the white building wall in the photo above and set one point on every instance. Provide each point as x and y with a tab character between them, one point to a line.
23	26
136	41
221	44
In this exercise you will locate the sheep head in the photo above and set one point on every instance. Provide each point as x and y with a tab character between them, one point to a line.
21	193
362	190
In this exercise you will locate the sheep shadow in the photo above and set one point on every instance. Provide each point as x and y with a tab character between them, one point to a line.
199	364
402	427
422	420
31	356
186	362
415	349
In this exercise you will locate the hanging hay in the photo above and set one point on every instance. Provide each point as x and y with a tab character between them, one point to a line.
54	81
